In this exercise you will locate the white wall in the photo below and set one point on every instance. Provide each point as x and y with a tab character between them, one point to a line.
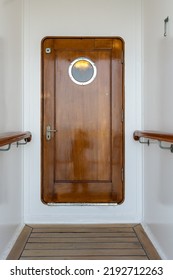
10	120
158	115
109	18
83	18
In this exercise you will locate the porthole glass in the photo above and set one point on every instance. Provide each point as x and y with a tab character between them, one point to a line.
82	71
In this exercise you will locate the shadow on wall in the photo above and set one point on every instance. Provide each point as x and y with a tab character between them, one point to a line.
166	116
2	88
164	228
6	2
166	179
165	79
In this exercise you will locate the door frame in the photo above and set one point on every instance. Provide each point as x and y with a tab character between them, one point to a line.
121	57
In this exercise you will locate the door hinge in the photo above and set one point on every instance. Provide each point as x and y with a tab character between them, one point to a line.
122	174
122	115
122	57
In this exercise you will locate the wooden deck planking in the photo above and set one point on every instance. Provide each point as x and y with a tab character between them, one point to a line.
79	246
88	258
82	240
83	230
80	235
146	243
85	252
70	242
20	244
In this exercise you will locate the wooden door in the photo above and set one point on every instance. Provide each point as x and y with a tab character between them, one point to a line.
83	157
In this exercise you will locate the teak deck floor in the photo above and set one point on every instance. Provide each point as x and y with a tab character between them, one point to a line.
83	242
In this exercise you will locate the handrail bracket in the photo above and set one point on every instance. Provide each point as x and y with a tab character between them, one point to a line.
144	142
154	137
5	149
21	143
14	138
166	148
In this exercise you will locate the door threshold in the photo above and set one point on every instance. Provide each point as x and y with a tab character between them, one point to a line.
82	204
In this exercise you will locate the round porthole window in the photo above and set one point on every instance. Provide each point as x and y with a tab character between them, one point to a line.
82	71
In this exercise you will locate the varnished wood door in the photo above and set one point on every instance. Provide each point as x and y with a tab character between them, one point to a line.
83	159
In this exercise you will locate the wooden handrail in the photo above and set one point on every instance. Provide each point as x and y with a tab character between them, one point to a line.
11	137
155	135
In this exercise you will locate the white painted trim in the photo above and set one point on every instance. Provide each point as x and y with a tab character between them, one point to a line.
26	96
138	108
11	243
131	209
80	219
154	241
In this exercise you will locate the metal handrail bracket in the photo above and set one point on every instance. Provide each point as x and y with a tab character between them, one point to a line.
165	147
5	149
149	137
14	138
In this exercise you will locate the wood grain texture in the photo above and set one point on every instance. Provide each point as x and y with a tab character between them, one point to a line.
87	258
109	242
83	160
146	243
20	244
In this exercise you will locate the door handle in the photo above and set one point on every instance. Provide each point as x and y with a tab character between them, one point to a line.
49	131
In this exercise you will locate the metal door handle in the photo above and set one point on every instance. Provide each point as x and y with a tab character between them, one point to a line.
49	131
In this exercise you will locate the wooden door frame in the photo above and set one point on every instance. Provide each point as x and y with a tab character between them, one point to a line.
121	57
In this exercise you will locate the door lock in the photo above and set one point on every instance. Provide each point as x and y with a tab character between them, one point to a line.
49	131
